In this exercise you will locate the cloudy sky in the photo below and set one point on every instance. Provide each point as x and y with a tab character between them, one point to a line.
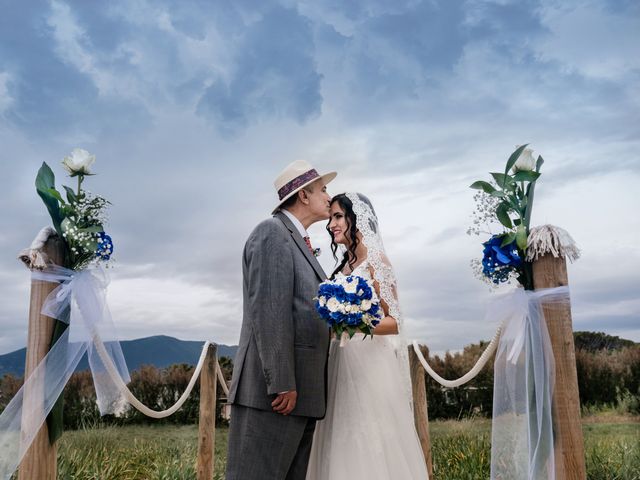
194	107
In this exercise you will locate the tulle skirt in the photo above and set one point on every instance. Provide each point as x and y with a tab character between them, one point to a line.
368	432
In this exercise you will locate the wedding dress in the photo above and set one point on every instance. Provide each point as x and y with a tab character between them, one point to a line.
368	431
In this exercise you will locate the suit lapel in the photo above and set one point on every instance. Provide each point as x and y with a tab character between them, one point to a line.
302	245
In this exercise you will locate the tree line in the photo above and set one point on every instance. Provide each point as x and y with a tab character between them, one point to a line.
608	375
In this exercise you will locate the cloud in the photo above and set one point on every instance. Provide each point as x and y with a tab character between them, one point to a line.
274	76
5	97
193	107
591	38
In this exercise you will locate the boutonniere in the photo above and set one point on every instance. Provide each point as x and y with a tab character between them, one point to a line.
317	252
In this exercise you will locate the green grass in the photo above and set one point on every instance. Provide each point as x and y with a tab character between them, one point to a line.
135	453
461	451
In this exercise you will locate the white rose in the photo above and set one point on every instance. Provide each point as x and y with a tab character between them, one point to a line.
365	305
525	162
79	162
333	305
322	301
351	287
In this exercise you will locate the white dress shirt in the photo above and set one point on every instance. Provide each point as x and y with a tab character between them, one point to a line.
297	223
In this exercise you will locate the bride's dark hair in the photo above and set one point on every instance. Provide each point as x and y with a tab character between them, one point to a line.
350	217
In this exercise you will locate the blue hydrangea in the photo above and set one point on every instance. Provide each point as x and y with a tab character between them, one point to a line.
498	261
105	246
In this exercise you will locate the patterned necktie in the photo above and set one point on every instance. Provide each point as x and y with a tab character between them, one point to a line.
308	242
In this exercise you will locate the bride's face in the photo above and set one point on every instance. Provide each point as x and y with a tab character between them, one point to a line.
338	224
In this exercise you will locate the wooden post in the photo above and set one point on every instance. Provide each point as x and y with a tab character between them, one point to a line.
420	409
40	460
207	420
550	272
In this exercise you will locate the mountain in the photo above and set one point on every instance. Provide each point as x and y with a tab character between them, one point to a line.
159	351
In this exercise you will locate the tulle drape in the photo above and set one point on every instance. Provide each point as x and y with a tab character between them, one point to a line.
80	300
522	445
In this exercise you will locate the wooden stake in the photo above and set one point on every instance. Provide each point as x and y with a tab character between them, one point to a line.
207	420
40	460
420	408
550	272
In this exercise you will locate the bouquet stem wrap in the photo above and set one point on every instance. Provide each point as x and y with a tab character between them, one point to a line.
522	443
80	301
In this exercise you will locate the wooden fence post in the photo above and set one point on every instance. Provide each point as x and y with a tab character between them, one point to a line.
207	420
40	460
420	408
550	272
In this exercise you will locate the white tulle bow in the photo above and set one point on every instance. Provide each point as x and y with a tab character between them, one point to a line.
80	300
522	445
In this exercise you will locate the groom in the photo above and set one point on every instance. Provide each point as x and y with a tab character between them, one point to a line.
278	389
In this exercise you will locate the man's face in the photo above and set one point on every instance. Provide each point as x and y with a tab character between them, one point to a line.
319	201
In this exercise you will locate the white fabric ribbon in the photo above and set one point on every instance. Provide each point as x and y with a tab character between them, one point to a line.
522	445
80	300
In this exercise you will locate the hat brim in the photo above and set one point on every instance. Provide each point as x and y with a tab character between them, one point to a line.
327	177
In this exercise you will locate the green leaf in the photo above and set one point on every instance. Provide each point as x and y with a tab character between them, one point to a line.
481	185
45	180
503	180
93	229
539	163
93	246
514	158
521	238
524	176
56	194
498	193
352	331
502	212
71	195
508	238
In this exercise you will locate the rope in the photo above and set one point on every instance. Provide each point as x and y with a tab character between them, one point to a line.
137	404
482	361
223	382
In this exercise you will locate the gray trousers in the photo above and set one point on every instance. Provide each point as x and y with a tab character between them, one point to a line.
267	445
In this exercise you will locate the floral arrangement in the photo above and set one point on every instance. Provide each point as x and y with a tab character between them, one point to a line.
347	304
79	219
507	199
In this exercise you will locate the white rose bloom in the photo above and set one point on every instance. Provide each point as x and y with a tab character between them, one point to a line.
351	287
333	305
322	301
525	162
365	305
79	162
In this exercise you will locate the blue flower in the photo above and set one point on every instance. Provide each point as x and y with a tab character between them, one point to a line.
105	246
499	261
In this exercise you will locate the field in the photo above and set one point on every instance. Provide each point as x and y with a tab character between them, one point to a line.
461	451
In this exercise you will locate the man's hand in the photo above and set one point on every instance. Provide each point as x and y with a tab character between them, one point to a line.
285	402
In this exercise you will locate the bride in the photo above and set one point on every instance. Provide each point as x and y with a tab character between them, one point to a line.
368	431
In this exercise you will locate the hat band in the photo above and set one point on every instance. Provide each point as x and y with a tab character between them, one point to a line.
297	183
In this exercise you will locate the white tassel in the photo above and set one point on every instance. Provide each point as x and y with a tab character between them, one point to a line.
33	257
551	239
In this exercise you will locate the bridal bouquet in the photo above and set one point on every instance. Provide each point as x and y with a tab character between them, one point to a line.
79	219
507	199
347	304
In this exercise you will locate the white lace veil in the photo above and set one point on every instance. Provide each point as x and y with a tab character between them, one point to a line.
384	275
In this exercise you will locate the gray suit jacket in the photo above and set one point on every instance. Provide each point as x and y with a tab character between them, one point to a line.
283	341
